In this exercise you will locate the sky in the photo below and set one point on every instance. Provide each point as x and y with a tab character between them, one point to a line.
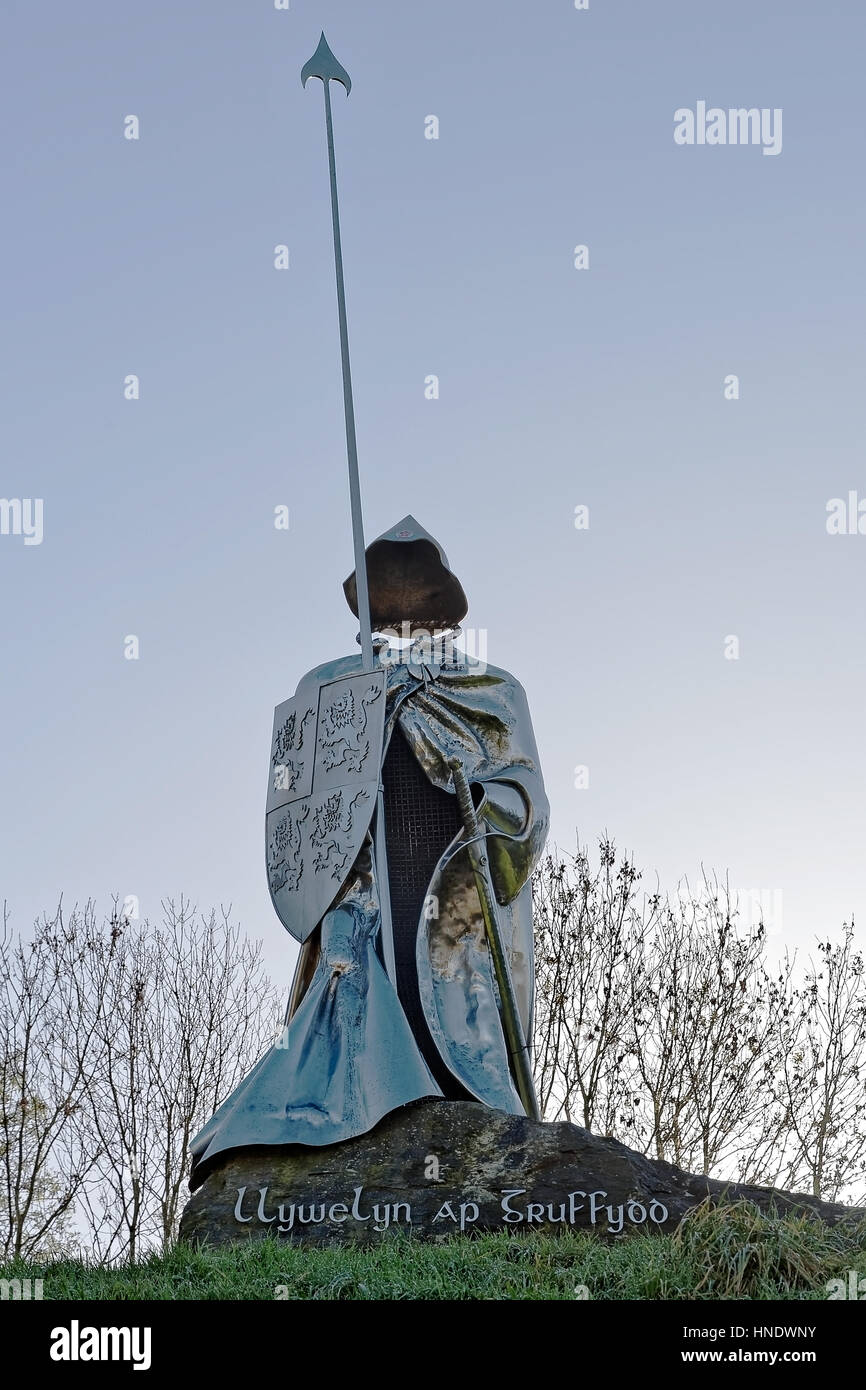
606	387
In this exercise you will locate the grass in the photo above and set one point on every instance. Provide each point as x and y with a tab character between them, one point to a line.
731	1252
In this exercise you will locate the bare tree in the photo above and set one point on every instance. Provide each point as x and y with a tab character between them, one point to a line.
190	1010
659	1021
117	1042
819	1091
588	931
702	1014
50	989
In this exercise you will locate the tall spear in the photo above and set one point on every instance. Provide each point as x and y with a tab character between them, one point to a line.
324	65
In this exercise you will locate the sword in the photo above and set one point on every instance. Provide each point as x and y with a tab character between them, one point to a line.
512	1027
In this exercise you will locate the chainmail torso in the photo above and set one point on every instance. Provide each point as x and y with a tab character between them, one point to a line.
420	822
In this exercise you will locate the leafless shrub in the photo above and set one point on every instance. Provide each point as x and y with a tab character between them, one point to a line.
659	1021
117	1042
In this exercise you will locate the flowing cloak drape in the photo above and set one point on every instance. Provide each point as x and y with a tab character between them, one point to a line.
349	1054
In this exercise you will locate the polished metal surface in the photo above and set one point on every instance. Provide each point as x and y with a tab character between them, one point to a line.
350	1054
512	1027
322	788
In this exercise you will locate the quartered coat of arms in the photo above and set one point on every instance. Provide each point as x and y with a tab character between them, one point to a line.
324	777
404	988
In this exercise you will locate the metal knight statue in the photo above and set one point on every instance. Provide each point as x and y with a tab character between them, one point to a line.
395	994
405	814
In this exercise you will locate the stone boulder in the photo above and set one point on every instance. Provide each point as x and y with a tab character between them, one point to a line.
437	1167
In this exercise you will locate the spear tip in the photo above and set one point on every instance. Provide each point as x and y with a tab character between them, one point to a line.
324	65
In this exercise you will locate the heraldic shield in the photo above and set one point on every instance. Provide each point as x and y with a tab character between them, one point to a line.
324	779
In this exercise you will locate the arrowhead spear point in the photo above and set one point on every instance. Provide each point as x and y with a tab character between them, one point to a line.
324	65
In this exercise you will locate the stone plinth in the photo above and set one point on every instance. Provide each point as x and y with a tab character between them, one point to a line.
444	1166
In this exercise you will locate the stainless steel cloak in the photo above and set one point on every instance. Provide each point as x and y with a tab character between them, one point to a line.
354	1049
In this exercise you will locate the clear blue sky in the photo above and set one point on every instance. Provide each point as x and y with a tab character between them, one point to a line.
557	387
